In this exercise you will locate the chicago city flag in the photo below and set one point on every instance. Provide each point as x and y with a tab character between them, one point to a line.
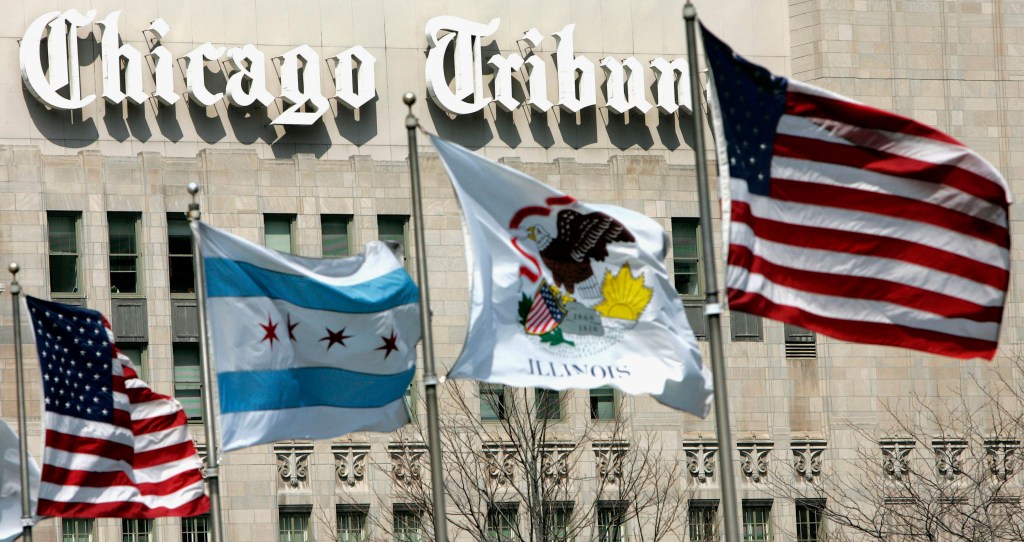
568	295
113	448
855	222
307	348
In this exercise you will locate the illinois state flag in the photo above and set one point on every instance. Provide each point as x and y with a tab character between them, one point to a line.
855	222
568	295
307	348
113	447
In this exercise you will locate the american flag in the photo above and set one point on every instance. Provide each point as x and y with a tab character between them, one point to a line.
545	313
114	448
855	222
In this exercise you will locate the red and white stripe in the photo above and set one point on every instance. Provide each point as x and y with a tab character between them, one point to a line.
540	320
877	229
142	465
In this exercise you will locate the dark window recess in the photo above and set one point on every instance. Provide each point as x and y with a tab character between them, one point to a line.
179	255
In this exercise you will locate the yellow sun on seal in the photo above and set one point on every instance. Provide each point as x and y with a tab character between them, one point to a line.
625	296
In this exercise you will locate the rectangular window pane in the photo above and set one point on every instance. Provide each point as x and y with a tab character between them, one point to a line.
406	526
277	232
393	228
179	255
549	404
136	530
602	404
757	525
556	523
195	529
124	252
76	530
294	527
501	522
686	257
610	524
62	236
702	521
809	526
186	379
334	230
492	401
136	353
351	525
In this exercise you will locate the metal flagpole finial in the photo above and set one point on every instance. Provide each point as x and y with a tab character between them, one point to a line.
193	208
409	98
14	268
689	10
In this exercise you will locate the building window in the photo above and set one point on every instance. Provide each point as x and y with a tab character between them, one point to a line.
394	228
76	530
686	257
136	530
687	271
293	526
757	525
800	343
809	524
351	524
124	252
556	522
136	353
745	327
195	529
702	521
179	255
549	404
611	523
492	402
602	403
63	235
406	525
186	379
334	233
502	521
278	232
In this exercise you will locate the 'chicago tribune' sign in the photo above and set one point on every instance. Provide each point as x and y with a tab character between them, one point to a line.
459	89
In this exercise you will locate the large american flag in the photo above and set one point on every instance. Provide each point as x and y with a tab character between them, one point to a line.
855	222
114	448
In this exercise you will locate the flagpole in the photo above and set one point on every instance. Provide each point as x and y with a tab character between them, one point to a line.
430	380
19	370
206	376
712	307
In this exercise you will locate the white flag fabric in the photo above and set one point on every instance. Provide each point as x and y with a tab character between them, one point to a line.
10	484
568	295
307	348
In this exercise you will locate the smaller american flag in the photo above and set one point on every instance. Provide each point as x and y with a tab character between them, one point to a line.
113	447
546	313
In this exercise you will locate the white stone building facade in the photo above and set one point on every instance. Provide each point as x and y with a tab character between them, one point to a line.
91	199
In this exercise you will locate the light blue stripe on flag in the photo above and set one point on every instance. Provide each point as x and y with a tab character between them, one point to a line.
229	278
247	391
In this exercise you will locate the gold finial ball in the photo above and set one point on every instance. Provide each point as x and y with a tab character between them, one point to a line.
14	268
409	98
193	188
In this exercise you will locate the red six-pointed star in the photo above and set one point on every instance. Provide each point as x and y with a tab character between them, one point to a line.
291	328
270	331
390	344
335	337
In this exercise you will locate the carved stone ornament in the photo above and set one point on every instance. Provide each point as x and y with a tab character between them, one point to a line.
407	463
807	458
948	461
500	464
555	462
754	459
1001	455
609	457
895	463
350	464
293	464
700	459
